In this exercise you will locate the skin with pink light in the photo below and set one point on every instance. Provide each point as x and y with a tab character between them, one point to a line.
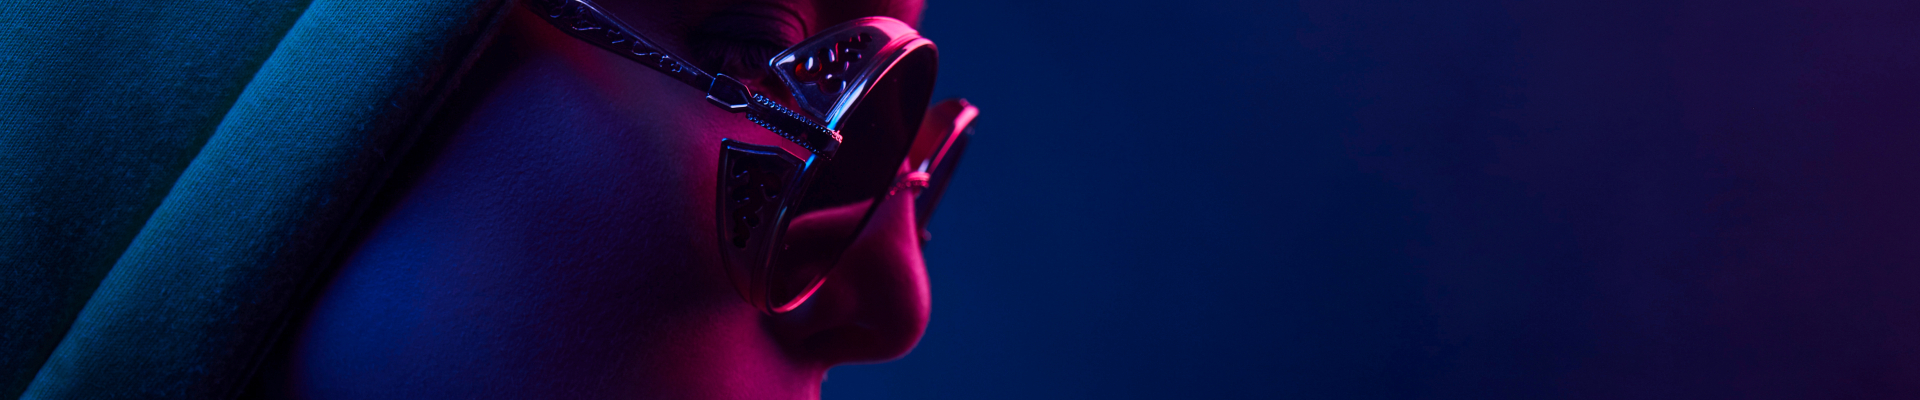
553	236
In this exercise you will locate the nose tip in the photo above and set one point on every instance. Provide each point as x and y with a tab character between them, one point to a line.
875	304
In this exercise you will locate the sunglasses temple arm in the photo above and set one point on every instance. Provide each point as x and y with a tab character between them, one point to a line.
585	21
800	130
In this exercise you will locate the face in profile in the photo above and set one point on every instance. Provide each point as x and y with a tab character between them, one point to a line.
553	235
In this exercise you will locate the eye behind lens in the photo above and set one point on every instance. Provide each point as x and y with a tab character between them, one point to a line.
740	40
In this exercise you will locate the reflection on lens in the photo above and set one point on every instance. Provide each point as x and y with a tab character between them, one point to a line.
813	242
877	133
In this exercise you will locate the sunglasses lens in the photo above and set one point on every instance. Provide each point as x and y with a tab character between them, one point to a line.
943	139
877	133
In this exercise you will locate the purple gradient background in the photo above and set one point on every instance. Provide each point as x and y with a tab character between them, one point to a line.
1445	199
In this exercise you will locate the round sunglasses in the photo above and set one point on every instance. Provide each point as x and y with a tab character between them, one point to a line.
859	92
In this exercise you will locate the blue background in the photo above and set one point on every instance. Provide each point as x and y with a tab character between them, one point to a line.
1445	199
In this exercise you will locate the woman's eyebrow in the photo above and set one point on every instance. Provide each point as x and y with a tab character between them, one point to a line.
771	20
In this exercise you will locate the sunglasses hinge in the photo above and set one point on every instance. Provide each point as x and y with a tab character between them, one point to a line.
729	94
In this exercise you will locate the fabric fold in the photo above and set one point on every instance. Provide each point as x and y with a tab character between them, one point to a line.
102	106
197	299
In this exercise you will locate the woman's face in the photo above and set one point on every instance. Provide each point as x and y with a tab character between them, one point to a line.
553	236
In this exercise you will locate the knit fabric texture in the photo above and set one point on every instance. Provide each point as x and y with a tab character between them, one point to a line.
176	174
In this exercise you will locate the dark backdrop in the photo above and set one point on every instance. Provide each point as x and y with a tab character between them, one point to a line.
1448	199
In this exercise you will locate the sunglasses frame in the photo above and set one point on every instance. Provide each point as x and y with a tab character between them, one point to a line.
824	91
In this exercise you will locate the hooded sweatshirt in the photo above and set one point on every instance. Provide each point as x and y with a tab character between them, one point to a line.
175	175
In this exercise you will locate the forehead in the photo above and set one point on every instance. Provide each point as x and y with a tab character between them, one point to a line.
836	11
825	13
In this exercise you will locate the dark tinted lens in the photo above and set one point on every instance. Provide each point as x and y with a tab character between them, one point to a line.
943	138
941	175
876	134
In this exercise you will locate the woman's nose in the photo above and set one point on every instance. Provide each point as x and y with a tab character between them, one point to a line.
875	303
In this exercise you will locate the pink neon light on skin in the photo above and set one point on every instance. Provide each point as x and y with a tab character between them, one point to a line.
553	237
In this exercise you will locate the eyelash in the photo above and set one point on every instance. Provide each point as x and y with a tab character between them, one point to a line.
742	58
751	55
